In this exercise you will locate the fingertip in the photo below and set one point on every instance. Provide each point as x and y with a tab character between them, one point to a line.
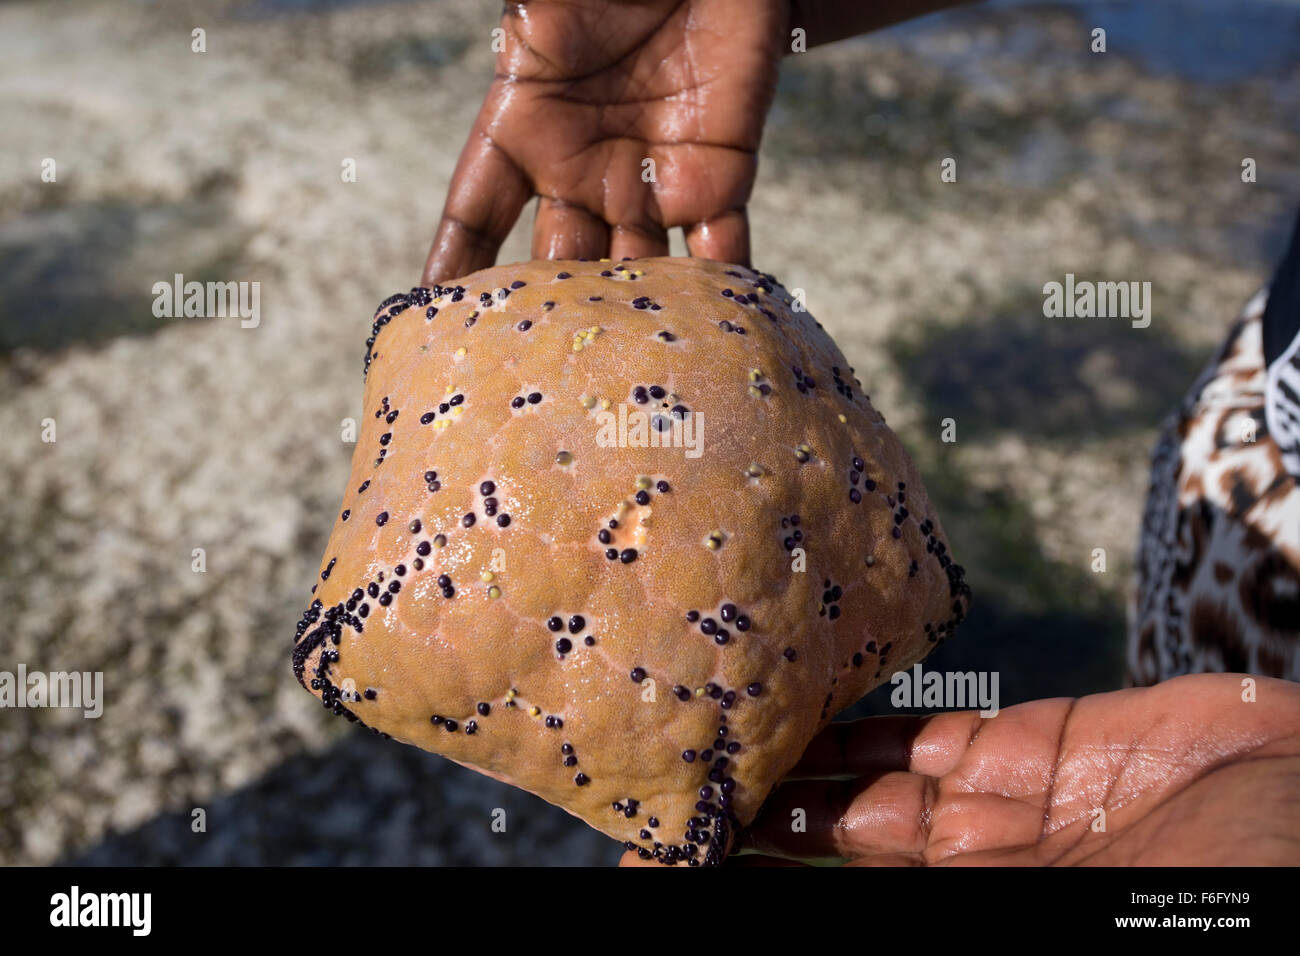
457	251
858	748
723	238
564	230
638	242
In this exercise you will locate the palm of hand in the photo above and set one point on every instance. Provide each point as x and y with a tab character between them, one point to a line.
584	96
1186	773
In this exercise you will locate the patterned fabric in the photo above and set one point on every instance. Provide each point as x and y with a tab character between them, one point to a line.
1218	567
1282	355
1282	405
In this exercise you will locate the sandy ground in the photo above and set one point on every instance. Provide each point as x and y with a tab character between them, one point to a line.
196	433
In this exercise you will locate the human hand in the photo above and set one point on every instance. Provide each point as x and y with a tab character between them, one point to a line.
1186	772
585	92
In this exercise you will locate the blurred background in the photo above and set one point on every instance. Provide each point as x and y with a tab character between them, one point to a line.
176	434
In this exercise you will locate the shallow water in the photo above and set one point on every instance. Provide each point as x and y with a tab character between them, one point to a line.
1217	41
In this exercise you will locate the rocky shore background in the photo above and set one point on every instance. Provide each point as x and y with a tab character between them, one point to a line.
176	434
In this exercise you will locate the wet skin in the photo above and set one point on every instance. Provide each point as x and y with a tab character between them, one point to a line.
586	92
583	94
1187	773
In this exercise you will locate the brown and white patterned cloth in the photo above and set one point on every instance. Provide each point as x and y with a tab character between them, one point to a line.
1218	565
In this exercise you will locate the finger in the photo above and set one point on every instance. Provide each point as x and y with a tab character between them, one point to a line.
930	745
488	191
845	819
638	242
724	238
859	748
630	204
565	230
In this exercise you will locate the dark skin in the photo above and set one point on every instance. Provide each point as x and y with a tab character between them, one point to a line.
1186	771
585	91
